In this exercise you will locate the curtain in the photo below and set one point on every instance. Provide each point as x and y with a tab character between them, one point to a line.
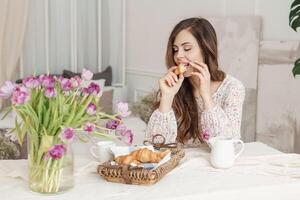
73	29
13	17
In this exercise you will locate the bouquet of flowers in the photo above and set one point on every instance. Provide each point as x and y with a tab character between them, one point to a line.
52	111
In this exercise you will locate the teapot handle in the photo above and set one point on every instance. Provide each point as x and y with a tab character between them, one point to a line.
242	147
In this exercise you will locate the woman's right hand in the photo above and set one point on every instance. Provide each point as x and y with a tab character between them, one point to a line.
170	83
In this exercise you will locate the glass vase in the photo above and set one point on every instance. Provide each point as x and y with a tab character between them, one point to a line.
49	174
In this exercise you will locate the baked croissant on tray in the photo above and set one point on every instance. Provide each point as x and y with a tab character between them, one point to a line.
143	155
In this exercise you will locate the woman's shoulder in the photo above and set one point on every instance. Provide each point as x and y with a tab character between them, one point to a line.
233	83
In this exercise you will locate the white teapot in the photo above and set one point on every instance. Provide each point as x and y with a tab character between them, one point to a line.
223	151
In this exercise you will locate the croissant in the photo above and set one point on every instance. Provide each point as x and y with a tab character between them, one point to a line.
126	160
180	69
143	155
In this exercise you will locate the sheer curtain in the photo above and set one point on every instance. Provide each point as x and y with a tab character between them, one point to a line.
13	17
74	34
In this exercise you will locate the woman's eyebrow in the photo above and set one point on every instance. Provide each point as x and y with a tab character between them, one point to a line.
185	43
182	44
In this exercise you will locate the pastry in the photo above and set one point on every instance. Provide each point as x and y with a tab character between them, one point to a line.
143	155
180	69
127	160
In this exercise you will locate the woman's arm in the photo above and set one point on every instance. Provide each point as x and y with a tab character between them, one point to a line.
163	120
162	123
226	120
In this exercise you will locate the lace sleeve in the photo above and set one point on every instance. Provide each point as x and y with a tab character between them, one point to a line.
162	123
226	120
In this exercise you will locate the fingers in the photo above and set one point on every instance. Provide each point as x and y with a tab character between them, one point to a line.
202	68
196	66
202	65
168	79
199	75
171	69
181	78
171	79
174	76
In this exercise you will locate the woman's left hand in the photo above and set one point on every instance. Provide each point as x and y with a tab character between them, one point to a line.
202	73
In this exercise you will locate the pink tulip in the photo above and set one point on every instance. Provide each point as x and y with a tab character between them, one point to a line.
121	128
31	82
89	127
112	124
86	75
50	92
67	135
20	96
125	133
76	81
205	135
47	81
93	88
7	89
122	109
56	152
127	136
91	109
66	84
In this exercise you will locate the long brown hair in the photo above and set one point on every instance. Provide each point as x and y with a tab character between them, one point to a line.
184	104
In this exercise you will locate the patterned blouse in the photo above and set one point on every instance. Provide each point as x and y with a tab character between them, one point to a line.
224	119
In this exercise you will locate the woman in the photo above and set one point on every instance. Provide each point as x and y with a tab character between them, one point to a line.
203	102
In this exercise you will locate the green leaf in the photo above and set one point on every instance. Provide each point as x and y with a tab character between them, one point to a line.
46	143
83	108
294	12
295	3
46	116
20	132
7	112
295	23
28	110
294	17
296	69
72	114
40	106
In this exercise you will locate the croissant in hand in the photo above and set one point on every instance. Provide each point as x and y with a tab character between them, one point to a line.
143	155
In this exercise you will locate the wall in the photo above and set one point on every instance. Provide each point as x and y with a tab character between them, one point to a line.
149	23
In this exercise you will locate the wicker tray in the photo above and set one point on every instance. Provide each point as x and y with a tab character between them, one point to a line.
139	176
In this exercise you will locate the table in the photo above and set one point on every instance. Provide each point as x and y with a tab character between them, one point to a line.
187	181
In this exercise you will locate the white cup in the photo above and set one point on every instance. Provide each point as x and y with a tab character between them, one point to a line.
223	152
101	151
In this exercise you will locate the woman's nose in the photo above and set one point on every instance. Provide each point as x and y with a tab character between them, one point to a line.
179	54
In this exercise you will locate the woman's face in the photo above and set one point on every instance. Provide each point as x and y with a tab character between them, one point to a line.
186	49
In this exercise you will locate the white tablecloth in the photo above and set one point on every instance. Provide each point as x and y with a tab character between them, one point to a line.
192	179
